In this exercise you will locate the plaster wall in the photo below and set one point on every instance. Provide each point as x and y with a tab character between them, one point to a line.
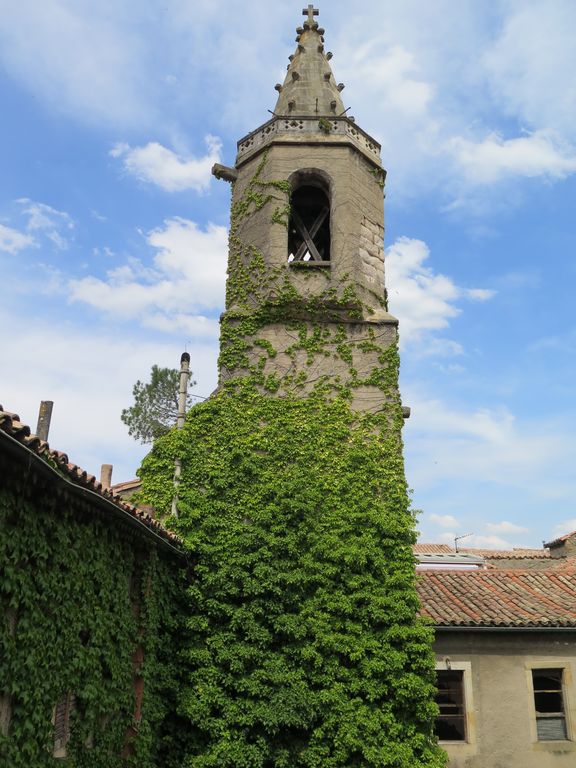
500	702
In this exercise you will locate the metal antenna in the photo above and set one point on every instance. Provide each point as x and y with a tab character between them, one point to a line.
457	539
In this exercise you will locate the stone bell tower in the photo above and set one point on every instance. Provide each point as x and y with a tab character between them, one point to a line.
292	495
305	294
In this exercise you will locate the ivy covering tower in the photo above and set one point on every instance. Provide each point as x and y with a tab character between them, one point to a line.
304	645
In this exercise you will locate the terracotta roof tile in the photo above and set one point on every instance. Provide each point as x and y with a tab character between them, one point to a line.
507	554
127	485
431	548
560	539
11	425
514	598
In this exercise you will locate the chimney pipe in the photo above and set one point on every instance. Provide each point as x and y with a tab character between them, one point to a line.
182	393
106	476
44	418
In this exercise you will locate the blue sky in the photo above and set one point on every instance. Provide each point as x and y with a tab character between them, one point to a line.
113	233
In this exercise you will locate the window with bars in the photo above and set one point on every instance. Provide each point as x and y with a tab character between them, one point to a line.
61	720
451	720
309	226
5	713
549	704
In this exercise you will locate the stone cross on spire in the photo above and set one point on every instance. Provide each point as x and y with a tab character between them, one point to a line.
309	87
310	12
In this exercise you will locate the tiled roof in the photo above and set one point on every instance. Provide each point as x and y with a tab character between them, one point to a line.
560	539
431	548
127	485
11	425
507	554
500	598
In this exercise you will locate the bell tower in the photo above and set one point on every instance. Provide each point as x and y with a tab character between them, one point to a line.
304	646
306	303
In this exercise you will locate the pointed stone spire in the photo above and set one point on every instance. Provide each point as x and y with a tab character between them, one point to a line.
309	88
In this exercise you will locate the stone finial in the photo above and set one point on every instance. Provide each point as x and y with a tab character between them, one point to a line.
312	88
310	12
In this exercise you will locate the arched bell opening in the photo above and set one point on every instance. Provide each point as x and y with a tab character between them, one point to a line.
309	224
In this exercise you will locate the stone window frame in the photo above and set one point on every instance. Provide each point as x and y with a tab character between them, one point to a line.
569	700
446	664
314	177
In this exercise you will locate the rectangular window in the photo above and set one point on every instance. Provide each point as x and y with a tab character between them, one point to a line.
451	720
5	713
549	704
61	720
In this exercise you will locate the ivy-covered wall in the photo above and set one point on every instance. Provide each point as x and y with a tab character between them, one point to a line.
89	608
304	647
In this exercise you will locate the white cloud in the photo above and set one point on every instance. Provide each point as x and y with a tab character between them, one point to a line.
480	294
186	279
480	541
12	241
419	97
530	63
158	165
81	57
568	526
89	373
192	326
440	347
506	527
474	541
48	221
393	73
444	521
495	159
439	111
422	300
447	445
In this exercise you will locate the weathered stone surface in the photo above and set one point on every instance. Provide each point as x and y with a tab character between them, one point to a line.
312	145
286	364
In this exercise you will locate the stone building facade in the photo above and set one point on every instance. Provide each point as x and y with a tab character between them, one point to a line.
506	653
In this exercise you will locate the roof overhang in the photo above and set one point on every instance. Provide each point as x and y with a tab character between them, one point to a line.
32	459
